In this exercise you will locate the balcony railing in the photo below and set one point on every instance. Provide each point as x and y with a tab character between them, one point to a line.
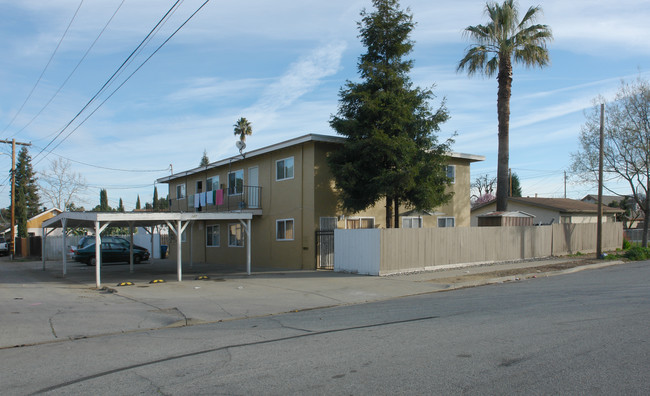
241	198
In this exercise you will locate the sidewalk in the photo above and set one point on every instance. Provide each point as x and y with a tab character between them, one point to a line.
42	306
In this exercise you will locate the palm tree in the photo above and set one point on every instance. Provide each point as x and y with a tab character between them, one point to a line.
505	40
243	128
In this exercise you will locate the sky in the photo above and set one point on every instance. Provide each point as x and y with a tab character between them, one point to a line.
281	65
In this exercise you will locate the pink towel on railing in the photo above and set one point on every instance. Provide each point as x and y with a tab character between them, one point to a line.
218	197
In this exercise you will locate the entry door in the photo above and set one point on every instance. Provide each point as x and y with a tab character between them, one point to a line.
253	188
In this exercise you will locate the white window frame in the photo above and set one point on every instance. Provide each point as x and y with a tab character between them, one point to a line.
238	228
360	220
451	168
181	190
210	231
242	182
453	219
284	169
411	219
277	229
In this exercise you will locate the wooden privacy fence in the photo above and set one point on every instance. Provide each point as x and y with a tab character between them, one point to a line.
387	251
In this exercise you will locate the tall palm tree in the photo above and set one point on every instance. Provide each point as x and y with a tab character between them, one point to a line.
505	40
243	128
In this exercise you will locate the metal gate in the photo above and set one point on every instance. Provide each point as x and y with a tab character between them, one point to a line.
325	249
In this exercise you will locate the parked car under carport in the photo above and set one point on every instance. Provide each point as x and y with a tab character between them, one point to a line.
113	251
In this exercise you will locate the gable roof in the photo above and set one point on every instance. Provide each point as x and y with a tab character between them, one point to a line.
607	199
288	143
562	205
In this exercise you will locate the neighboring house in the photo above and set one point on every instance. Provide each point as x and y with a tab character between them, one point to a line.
34	224
635	218
551	210
289	189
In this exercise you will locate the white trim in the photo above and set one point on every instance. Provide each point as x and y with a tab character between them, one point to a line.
411	218
293	229
293	168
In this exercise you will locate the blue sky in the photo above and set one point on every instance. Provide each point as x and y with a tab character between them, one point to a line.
281	64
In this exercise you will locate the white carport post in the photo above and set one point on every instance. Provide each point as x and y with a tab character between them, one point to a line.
43	246
178	230
64	224
98	252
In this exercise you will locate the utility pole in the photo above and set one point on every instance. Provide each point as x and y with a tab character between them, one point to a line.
12	247
599	229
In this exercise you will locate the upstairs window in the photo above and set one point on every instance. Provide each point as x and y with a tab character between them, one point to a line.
236	182
284	169
451	172
180	191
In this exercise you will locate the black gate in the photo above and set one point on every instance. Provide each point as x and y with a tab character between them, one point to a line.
325	249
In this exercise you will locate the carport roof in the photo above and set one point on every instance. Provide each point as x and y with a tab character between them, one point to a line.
144	219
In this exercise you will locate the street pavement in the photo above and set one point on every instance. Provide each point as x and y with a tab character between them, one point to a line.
43	306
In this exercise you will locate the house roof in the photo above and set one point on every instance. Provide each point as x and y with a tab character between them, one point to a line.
607	199
562	205
288	143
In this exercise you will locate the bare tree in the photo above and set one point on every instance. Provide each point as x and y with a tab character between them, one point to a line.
60	185
483	185
626	145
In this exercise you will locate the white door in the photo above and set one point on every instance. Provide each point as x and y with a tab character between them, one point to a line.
253	188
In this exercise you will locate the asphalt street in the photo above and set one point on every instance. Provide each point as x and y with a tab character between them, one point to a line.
580	333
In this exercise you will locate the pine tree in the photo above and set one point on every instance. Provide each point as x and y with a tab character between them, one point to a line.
103	201
26	180
391	150
156	204
137	203
21	213
204	160
120	207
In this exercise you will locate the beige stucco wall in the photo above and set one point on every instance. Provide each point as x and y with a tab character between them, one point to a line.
305	198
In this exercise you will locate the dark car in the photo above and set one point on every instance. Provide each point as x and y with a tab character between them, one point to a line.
90	240
114	250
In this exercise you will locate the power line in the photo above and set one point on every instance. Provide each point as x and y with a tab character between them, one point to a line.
129	77
46	67
73	70
108	81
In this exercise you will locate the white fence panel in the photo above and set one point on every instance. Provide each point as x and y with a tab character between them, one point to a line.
357	251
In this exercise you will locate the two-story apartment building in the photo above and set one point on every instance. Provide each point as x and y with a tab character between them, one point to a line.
289	189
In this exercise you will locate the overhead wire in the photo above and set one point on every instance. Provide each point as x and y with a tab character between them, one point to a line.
73	71
108	81
45	68
129	77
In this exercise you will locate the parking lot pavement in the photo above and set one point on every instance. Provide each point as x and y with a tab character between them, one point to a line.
44	306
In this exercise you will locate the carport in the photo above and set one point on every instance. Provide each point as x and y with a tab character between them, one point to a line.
176	221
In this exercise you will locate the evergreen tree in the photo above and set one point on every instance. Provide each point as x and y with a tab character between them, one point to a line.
516	186
120	207
21	213
204	160
391	150
137	203
156	204
103	201
26	180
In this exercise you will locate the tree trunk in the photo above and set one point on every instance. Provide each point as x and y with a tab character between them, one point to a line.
503	110
389	212
646	211
396	212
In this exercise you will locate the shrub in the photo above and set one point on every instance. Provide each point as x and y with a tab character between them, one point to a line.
637	253
626	244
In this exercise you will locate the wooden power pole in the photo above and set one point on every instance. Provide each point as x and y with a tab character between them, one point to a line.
599	229
13	142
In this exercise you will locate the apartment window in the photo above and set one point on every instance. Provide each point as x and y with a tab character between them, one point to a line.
451	172
360	222
284	230
180	191
212	235
284	169
411	222
212	183
236	182
199	186
446	222
235	235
